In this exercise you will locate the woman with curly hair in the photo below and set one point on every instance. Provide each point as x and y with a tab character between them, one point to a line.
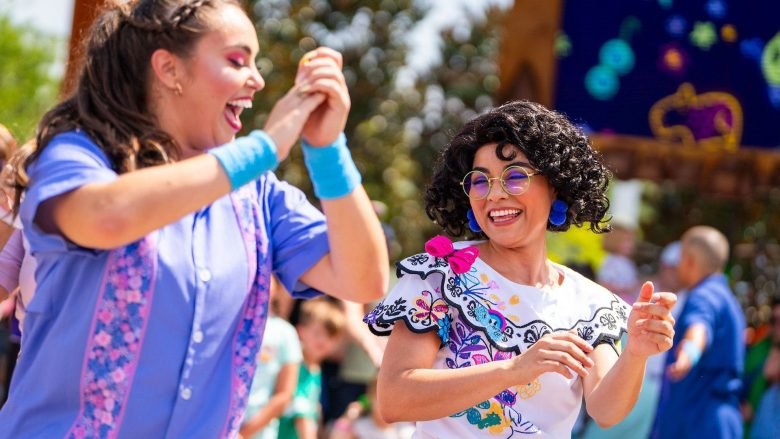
496	339
156	230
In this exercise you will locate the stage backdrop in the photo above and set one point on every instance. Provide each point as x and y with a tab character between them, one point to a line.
703	72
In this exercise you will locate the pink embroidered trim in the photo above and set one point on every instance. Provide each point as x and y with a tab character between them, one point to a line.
251	325
116	336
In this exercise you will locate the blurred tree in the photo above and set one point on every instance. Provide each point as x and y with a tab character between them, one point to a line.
27	85
459	88
395	132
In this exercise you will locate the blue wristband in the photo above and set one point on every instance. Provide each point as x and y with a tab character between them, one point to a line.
246	158
692	351
331	169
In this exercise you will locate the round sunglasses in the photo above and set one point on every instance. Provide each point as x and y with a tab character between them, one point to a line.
515	180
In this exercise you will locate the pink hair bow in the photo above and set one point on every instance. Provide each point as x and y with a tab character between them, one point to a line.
460	260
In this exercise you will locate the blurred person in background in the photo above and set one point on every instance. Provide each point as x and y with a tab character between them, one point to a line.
320	328
618	272
9	327
766	421
639	422
703	380
362	420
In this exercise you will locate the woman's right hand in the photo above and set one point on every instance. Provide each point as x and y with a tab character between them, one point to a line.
556	352
288	116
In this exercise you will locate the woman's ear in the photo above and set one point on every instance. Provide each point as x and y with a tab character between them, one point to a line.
166	68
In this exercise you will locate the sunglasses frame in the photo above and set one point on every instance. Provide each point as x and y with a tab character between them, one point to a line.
527	171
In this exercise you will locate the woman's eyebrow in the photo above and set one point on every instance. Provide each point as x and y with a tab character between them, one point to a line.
523	164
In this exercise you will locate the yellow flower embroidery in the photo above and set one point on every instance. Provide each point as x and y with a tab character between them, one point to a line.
529	390
497	429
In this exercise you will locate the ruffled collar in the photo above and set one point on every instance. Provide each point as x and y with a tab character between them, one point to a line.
462	291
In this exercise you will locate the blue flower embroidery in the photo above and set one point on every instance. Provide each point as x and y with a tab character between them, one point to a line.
444	329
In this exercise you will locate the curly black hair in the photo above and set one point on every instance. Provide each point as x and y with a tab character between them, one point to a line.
553	145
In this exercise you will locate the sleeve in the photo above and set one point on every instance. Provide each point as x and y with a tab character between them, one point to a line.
606	320
699	309
299	237
11	261
68	162
414	300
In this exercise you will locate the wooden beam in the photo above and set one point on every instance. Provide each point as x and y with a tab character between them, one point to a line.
527	61
84	13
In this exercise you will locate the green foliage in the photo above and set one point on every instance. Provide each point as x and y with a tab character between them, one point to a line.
27	86
394	132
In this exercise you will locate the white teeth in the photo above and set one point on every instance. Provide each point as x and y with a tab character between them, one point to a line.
243	103
497	213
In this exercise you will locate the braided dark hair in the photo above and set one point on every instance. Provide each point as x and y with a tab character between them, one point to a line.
110	102
552	144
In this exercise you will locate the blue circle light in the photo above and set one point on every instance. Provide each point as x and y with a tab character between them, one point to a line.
602	83
618	55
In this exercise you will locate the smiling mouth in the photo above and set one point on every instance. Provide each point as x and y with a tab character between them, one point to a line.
504	215
233	111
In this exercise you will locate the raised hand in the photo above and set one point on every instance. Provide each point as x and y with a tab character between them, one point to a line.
320	72
556	352
650	324
288	117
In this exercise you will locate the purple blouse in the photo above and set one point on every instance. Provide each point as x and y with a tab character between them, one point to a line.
158	338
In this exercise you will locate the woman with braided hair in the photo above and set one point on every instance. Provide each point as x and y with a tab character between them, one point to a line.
156	230
489	338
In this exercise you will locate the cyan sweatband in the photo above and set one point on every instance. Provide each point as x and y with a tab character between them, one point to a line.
331	169
692	350
246	158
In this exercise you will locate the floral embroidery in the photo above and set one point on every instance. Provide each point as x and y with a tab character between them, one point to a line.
585	333
251	325
483	328
608	320
418	259
621	312
117	334
535	333
429	308
444	329
529	390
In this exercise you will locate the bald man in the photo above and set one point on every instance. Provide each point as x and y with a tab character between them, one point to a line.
700	392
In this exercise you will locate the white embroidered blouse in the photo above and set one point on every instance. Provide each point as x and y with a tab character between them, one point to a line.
481	317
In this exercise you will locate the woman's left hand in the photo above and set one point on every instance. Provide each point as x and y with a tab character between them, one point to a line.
320	72
651	325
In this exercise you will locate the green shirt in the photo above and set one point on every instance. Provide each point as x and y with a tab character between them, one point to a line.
305	403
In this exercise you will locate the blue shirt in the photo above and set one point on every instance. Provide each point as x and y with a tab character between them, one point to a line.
158	338
705	403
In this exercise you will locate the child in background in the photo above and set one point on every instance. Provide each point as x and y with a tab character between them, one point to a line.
363	421
320	327
276	376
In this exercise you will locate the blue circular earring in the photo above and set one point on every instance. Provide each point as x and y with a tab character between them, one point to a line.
558	212
473	224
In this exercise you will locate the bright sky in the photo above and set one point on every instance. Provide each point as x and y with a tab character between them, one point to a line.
50	16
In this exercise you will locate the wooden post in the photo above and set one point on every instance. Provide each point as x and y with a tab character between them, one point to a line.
84	13
527	61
